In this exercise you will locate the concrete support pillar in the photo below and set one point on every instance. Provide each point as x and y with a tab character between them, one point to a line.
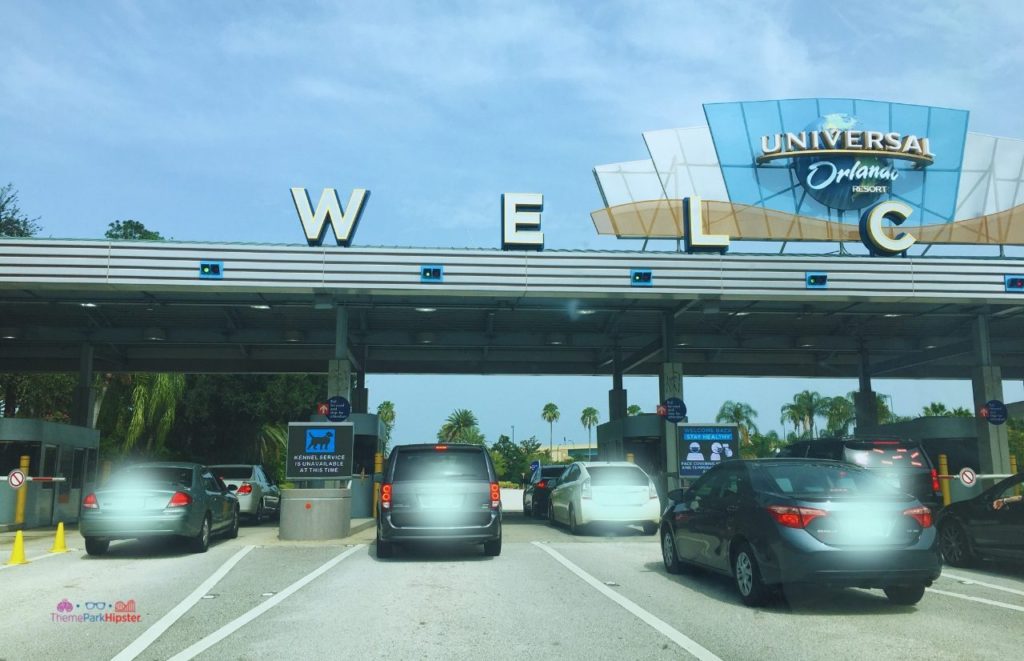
617	395
360	394
987	384
339	372
865	402
85	393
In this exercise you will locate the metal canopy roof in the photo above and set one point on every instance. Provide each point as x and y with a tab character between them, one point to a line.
496	312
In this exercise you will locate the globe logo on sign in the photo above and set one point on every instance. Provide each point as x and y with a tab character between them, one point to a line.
841	181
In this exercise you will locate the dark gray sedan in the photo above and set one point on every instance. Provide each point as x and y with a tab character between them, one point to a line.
159	499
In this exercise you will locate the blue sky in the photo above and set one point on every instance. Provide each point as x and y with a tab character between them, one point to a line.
196	118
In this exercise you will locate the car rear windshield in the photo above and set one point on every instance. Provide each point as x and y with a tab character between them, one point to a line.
233	472
886	454
812	480
617	476
552	471
434	464
153	475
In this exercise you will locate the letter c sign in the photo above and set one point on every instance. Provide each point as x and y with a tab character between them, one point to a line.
877	241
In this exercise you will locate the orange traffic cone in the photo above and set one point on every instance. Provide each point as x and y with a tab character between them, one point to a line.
58	542
18	552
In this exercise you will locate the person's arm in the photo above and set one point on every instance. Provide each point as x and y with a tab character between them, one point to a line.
999	502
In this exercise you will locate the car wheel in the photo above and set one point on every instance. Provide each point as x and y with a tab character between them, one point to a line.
96	545
668	552
201	542
905	595
233	532
384	549
551	515
749	582
955	547
527	511
493	547
260	514
650	528
574	527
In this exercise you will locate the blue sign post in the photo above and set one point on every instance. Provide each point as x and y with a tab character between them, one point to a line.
534	465
338	409
995	412
675	410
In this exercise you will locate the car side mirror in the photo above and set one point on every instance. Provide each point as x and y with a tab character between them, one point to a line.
232	487
676	495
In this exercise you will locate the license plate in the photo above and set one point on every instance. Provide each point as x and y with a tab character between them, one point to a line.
438	501
875	528
126	504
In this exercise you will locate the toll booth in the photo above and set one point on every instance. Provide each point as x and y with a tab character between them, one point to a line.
54	450
332	465
640	439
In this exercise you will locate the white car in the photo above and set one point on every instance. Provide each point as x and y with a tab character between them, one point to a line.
258	497
605	492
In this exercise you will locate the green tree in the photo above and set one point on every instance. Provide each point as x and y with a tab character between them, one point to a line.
512	460
131	230
13	222
550	415
805	407
1015	434
961	412
935	408
386	413
634	409
140	418
461	427
763	445
589	420
839	415
740	414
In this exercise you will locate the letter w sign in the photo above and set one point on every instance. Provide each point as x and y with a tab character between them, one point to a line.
329	212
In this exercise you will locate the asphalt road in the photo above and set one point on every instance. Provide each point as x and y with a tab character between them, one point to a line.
548	596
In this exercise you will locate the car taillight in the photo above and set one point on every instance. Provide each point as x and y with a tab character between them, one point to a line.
440	448
794	517
585	490
385	496
935	481
652	491
495	495
922	515
246	488
180	499
542	484
90	502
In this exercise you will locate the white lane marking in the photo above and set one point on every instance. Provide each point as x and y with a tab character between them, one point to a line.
38	557
239	622
151	634
980	600
971	581
656	623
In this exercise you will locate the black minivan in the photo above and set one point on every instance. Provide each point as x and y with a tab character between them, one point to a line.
900	462
439	492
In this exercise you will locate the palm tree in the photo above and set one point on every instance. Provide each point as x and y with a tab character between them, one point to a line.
550	415
935	408
155	400
839	413
810	405
634	409
791	415
588	419
386	414
740	414
461	425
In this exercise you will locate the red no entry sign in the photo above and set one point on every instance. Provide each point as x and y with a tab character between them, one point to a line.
967	476
15	479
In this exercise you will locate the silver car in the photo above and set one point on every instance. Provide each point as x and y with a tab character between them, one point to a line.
158	499
258	497
616	492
